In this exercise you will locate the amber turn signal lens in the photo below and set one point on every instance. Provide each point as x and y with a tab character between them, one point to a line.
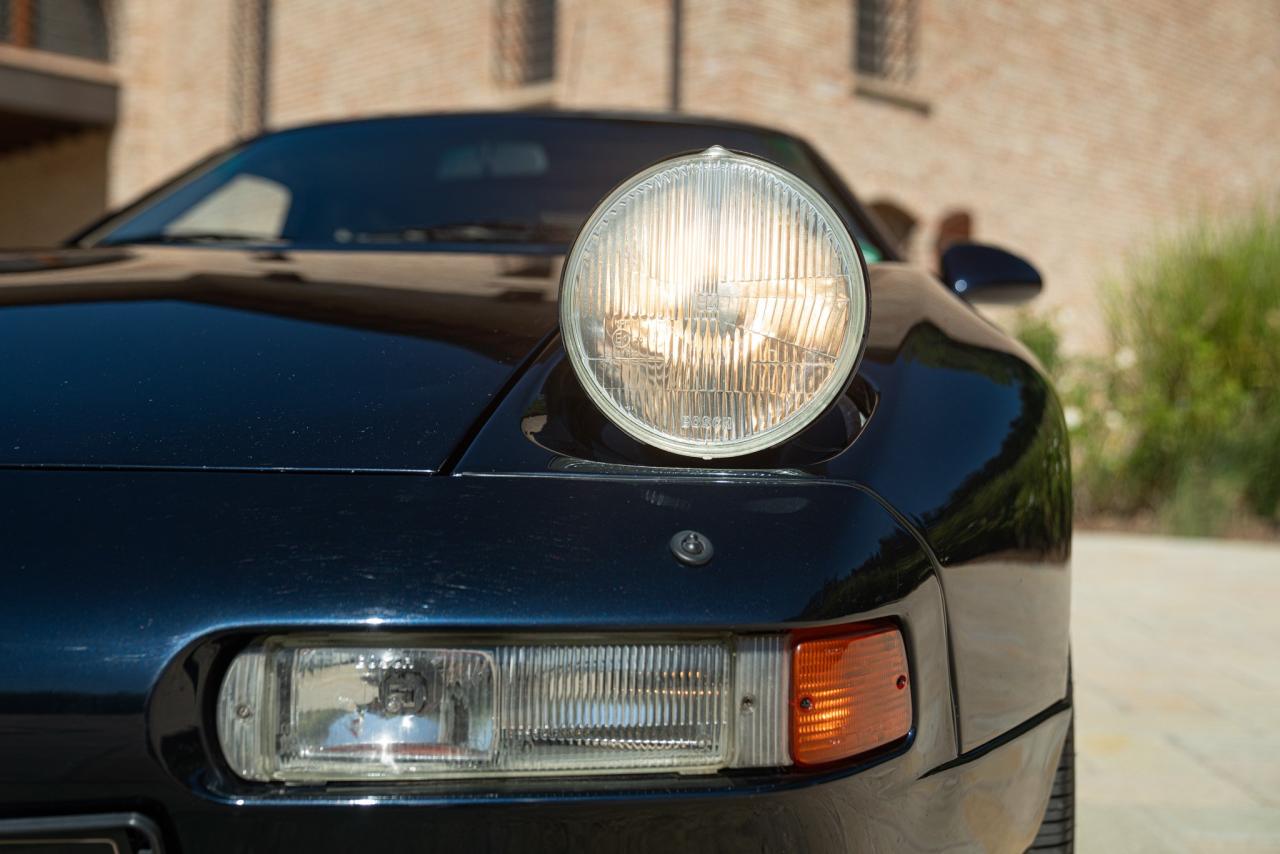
850	694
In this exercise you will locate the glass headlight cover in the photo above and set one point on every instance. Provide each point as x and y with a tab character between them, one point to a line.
714	305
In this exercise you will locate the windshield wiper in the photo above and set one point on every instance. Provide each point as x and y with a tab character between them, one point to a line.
194	238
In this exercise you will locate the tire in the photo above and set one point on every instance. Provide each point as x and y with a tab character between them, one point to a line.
1058	828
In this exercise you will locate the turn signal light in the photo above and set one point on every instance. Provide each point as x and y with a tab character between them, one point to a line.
849	694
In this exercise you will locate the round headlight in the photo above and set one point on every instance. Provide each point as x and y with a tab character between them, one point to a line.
713	305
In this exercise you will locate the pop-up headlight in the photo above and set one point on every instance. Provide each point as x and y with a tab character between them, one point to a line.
713	305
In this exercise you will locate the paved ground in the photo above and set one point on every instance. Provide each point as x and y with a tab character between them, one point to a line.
1177	679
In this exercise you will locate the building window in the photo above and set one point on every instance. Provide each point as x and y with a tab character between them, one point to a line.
526	31
74	27
884	43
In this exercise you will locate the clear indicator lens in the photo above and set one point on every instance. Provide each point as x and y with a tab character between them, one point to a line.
615	707
714	305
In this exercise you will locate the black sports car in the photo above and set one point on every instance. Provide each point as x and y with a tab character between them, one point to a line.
528	481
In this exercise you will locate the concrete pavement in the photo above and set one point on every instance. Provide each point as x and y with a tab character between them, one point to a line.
1177	686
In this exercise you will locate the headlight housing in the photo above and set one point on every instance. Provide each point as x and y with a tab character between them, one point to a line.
301	709
714	305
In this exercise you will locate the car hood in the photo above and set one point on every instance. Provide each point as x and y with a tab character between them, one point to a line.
178	357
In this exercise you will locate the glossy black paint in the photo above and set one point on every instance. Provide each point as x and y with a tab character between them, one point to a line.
123	719
392	441
982	273
963	437
171	357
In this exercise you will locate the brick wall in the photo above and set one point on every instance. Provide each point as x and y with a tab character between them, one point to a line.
343	59
333	60
48	191
1073	131
1070	130
175	95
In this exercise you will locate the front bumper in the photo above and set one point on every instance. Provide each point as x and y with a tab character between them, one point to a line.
990	800
111	655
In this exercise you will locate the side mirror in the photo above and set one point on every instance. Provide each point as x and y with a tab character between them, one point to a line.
981	273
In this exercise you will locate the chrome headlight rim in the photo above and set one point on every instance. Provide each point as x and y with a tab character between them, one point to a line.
852	349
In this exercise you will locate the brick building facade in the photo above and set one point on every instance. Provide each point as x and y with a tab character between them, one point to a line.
1071	131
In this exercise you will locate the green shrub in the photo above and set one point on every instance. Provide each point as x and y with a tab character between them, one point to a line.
1182	421
1201	320
1040	337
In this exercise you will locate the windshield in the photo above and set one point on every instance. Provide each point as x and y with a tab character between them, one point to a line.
421	182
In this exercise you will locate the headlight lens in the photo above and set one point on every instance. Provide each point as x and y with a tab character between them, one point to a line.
714	305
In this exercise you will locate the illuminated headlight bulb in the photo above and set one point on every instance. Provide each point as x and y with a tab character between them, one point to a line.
714	305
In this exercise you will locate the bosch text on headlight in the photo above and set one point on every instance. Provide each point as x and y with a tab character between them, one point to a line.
714	305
